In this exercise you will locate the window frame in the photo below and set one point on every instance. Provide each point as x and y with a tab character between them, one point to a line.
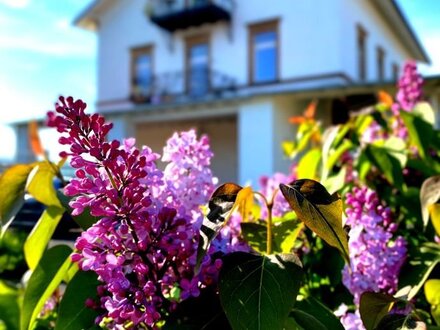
380	57
361	48
135	52
396	71
253	30
190	42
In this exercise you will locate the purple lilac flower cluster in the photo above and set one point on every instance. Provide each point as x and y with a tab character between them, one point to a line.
143	247
409	88
269	188
350	321
408	95
188	176
376	256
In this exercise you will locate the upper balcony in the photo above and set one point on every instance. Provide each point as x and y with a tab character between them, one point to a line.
173	15
183	87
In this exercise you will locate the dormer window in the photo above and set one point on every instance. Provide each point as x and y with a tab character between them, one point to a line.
141	73
362	52
263	52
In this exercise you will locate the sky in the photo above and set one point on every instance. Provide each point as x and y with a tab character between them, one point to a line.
42	56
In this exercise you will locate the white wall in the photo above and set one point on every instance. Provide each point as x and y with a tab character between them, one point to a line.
255	147
362	12
317	37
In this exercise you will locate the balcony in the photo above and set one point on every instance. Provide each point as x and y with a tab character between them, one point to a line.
180	87
173	15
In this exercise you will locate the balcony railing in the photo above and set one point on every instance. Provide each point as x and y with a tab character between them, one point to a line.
181	87
173	15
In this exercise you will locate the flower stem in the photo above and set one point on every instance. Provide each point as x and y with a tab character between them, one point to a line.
269	228
269	206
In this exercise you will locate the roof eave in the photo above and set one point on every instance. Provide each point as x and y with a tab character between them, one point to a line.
403	29
87	19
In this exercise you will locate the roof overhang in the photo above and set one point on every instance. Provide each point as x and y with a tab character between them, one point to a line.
400	26
88	19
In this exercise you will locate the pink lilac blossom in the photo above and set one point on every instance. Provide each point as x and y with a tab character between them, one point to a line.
188	175
144	244
409	88
349	320
375	255
269	188
409	93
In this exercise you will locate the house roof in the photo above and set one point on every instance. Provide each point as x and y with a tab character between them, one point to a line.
399	24
89	19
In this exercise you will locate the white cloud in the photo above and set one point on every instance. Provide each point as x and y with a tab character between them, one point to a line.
18	105
48	47
15	3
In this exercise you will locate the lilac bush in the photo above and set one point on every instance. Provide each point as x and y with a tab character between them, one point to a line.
163	244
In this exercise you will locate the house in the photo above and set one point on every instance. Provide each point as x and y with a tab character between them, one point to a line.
238	69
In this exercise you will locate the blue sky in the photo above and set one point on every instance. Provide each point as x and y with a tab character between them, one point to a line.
42	55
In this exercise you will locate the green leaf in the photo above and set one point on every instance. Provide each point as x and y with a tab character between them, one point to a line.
258	292
203	312
432	293
245	203
434	211
9	308
284	235
425	111
288	148
337	154
308	164
73	313
321	312
378	117
44	280
255	234
417	270
320	211
420	132
40	184
40	235
429	195
373	307
336	182
12	190
221	205
85	220
387	164
328	139
307	321
400	322
396	147
363	166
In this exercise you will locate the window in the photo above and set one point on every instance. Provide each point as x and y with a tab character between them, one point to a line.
263	52
380	63
197	64
396	71
362	52
142	72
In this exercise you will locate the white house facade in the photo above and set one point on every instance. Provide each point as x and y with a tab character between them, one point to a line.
238	69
